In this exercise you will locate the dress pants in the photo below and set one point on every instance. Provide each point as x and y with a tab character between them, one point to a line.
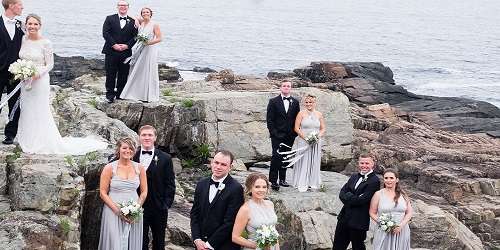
116	74
157	221
11	127
277	169
345	235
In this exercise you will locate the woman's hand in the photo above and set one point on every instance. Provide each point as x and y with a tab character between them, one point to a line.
396	230
35	77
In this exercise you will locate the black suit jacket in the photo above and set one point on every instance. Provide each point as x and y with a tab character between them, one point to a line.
161	181
9	49
280	123
114	34
354	213
213	222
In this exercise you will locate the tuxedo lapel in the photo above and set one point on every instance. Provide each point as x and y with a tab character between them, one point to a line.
4	32
219	192
281	105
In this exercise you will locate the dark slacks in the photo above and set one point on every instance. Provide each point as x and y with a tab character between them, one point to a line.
345	235
156	220
277	169
116	74
11	127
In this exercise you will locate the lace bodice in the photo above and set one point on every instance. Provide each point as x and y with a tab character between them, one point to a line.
39	52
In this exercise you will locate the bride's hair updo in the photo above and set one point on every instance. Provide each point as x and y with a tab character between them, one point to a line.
250	181
130	143
147	8
35	16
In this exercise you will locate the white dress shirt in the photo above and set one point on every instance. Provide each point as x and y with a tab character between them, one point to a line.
122	22
213	188
365	176
10	25
286	102
145	159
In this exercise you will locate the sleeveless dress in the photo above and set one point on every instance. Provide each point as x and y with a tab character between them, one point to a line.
37	131
113	229
389	241
260	215
143	83
306	171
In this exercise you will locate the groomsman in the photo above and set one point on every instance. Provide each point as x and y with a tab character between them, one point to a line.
161	187
119	33
11	36
281	113
353	220
217	200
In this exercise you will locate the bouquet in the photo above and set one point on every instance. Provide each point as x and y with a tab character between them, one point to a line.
386	222
142	38
131	210
23	70
312	138
267	236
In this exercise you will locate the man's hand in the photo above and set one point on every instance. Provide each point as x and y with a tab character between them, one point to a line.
117	47
200	245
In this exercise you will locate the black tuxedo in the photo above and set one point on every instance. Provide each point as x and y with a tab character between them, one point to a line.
161	192
9	53
353	220
280	125
213	222
116	70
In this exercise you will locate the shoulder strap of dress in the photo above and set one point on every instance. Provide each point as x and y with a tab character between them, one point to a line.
136	167
114	166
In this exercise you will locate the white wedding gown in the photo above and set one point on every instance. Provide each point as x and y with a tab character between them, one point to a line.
37	132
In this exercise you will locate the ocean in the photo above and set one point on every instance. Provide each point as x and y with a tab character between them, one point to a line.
441	48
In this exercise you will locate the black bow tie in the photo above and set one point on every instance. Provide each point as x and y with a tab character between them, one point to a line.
364	176
147	152
287	99
123	18
216	183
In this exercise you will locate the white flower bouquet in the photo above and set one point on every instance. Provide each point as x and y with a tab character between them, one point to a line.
23	70
131	210
312	138
267	236
142	38
386	223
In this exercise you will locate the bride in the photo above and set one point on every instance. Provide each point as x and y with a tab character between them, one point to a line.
37	132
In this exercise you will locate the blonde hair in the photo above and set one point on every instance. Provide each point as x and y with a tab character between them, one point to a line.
147	127
35	16
120	142
147	8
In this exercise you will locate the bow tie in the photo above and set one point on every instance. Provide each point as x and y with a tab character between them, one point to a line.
11	20
147	152
287	99
123	18
364	176
216	183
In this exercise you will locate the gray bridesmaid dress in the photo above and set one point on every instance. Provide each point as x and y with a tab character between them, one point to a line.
113	230
260	214
306	171
389	241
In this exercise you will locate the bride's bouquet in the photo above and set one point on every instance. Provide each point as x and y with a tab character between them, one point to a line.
312	138
386	223
267	236
23	70
142	38
131	210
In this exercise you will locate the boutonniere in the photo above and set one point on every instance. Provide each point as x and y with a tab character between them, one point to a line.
156	159
365	177
221	186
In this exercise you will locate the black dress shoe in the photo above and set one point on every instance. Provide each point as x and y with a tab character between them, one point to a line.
284	184
110	100
275	186
8	141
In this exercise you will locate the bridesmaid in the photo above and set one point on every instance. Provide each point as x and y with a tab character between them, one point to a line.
255	212
306	171
119	182
391	200
143	82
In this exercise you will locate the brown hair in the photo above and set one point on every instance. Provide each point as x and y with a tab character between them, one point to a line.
399	191
120	142
144	127
35	16
6	3
226	153
251	179
367	155
147	8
